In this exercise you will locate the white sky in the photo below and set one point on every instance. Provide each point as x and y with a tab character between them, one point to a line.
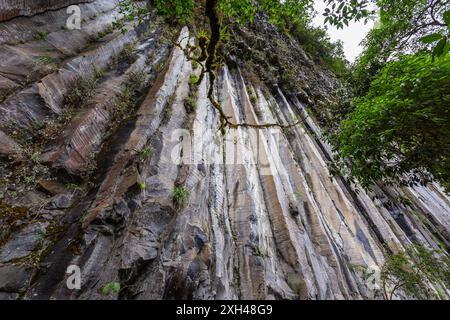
351	35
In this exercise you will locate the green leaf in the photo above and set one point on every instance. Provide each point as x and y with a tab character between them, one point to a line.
439	49
447	18
431	38
447	47
112	287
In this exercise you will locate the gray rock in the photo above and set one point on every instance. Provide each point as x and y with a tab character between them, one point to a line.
7	145
200	240
14	8
8	296
49	214
52	187
142	239
62	201
23	243
29	199
14	278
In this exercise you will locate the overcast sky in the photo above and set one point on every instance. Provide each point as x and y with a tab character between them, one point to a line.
351	35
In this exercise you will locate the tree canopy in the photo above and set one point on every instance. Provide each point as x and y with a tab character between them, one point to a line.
397	127
404	26
412	270
400	130
338	12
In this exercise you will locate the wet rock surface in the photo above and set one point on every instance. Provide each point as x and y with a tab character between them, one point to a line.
7	145
256	214
13	8
15	278
23	243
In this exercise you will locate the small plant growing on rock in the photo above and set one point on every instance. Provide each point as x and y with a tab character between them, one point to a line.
109	29
160	67
45	59
73	186
193	80
111	287
180	197
81	93
127	52
36	157
99	73
190	104
145	153
150	58
252	96
142	186
167	113
41	35
30	180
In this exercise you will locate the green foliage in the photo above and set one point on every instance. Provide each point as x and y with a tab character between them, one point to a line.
279	11
193	80
36	157
3	96
130	11
292	14
252	96
396	129
179	9
340	13
190	103
146	153
405	26
283	13
440	39
81	93
127	52
111	287
41	35
195	65
180	197
98	72
399	131
130	96
30	180
109	29
45	59
318	44
412	270
142	186
73	186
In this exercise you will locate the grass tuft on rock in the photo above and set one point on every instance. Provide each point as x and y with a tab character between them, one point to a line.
180	197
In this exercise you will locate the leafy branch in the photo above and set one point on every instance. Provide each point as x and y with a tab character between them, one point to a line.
413	270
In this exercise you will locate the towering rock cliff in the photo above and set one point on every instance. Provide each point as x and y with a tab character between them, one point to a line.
99	127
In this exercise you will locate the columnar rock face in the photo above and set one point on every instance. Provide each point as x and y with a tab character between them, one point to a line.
96	136
13	8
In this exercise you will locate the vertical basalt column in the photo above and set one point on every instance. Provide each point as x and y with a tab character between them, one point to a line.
14	8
